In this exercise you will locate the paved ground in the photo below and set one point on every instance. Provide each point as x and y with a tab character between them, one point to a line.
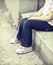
8	55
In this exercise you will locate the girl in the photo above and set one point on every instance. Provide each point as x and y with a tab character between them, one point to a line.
41	21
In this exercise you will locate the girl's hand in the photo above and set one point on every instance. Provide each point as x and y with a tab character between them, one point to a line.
32	17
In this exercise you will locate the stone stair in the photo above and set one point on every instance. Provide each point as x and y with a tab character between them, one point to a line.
44	46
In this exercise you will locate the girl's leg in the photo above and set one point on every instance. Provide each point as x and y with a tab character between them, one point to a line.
26	39
17	39
20	28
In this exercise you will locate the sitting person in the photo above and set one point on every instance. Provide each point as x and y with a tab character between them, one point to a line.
40	21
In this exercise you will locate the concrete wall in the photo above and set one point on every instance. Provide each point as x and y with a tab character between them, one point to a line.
13	7
28	5
16	6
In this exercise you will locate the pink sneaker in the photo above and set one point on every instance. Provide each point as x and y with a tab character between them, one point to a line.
14	41
24	50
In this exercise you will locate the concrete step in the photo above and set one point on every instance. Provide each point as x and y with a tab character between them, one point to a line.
44	46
